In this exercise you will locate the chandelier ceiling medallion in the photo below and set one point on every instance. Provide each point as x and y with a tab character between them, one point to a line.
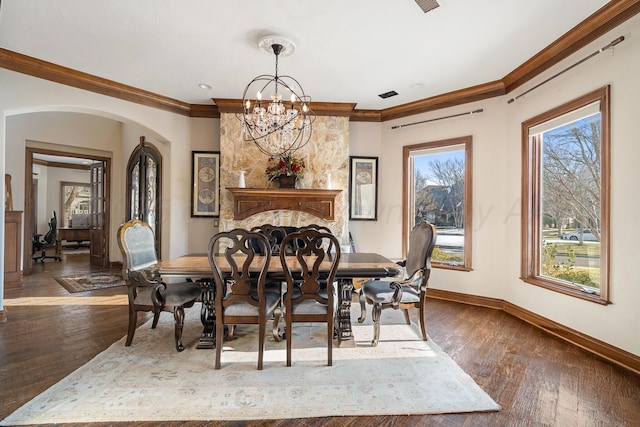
279	127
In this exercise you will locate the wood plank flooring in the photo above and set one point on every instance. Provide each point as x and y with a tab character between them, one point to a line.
538	379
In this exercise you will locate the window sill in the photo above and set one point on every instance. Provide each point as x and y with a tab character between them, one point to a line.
446	266
571	290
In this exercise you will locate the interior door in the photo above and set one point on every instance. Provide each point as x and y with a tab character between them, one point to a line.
144	172
98	252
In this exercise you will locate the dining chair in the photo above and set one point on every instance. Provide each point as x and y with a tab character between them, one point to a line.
240	296
274	235
310	275
329	244
146	290
409	292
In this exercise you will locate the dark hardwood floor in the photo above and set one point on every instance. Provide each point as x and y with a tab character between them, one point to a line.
538	379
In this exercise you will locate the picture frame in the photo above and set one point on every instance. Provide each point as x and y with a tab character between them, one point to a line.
205	184
363	188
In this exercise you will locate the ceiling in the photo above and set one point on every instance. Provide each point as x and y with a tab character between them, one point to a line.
346	51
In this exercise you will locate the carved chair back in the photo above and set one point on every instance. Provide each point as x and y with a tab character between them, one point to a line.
137	243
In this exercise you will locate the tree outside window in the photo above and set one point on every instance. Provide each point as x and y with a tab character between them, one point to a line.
566	198
438	190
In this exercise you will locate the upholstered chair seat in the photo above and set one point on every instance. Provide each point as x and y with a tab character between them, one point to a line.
146	291
407	292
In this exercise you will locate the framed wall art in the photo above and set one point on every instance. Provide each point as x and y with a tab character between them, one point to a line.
363	188
205	184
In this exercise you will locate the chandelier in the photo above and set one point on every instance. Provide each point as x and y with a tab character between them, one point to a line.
279	127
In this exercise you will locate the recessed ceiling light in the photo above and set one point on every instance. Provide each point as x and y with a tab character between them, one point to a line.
204	86
417	86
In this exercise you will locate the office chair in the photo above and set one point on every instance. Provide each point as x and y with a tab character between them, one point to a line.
50	240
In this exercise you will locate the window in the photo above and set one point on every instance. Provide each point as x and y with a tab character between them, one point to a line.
565	200
75	202
437	188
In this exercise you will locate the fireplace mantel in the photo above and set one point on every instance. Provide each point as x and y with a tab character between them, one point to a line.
250	201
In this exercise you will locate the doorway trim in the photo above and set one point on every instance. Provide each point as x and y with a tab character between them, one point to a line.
28	204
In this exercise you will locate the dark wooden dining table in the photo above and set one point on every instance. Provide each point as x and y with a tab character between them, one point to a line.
352	265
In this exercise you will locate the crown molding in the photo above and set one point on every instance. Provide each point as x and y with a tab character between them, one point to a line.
450	99
366	116
204	110
340	109
24	64
599	23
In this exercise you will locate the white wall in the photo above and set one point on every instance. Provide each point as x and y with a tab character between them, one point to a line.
205	136
496	180
52	193
22	94
496	190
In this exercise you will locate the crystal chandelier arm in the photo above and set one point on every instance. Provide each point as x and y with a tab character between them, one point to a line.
278	128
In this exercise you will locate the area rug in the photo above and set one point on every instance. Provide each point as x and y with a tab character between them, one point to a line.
90	281
150	381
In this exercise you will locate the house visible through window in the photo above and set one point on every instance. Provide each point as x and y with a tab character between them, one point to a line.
438	190
566	198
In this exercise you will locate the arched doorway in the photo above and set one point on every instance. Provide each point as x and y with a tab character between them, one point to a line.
144	187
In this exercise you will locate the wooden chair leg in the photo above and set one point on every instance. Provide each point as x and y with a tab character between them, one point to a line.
363	307
262	329
156	317
289	332
423	327
133	320
276	325
330	342
219	336
407	318
376	311
178	315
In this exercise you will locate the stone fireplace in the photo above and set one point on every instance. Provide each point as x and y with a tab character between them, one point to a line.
326	154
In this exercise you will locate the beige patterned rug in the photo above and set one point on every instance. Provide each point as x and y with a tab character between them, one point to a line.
150	381
90	281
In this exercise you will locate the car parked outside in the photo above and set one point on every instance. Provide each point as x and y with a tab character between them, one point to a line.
587	236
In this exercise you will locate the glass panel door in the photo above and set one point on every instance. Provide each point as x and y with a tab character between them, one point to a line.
144	187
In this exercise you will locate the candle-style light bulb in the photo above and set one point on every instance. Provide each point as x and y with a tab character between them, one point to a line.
293	99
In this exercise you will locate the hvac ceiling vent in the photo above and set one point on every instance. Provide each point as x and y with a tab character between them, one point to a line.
427	5
388	94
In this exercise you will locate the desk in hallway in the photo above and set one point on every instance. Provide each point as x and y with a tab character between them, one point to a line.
77	235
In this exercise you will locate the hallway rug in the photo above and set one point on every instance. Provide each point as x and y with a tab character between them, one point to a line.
150	381
90	281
